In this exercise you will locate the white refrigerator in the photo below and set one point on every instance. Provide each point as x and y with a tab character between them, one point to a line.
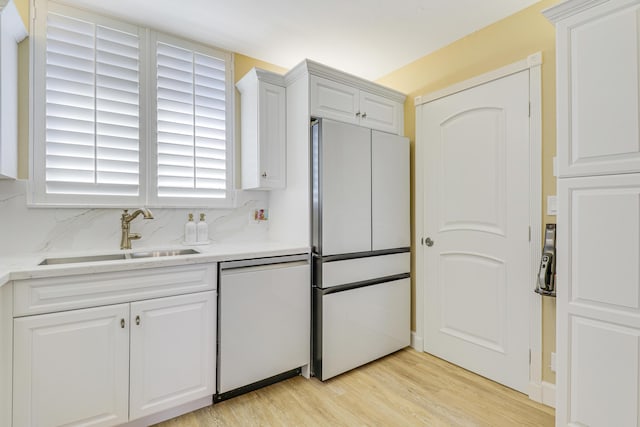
361	245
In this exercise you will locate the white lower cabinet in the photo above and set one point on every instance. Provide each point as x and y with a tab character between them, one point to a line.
172	352
72	368
108	365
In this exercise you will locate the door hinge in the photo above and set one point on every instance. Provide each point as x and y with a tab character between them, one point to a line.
529	109
529	356
529	233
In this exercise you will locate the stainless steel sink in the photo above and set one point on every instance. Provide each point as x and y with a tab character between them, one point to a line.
161	253
119	256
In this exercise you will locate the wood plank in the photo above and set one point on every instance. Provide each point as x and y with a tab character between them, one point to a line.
402	389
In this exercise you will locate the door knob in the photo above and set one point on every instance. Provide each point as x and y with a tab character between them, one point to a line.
428	241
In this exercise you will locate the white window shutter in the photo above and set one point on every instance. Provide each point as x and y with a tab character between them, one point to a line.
191	124
92	109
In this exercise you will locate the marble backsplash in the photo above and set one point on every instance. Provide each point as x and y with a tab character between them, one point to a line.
25	230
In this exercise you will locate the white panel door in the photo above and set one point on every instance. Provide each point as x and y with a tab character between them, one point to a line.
265	322
598	331
477	283
333	100
72	368
363	324
172	351
390	187
345	187
598	88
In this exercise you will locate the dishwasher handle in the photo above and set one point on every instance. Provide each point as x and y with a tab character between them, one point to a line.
258	262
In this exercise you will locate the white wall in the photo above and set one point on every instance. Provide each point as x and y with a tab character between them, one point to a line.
25	230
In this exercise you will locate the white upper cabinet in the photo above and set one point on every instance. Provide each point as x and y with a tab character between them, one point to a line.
598	90
348	103
333	100
12	32
262	130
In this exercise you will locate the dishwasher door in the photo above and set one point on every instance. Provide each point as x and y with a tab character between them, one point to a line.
264	319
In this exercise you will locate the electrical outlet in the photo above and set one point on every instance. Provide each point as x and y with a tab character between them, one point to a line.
553	362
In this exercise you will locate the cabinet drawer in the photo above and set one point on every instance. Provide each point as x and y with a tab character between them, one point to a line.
44	295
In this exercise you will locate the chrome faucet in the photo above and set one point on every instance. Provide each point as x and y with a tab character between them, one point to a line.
125	241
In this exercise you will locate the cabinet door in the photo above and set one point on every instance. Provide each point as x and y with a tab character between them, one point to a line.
598	301
381	113
172	352
345	188
334	100
390	214
72	368
272	118
265	315
598	91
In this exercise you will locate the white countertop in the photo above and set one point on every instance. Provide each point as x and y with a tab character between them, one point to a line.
26	266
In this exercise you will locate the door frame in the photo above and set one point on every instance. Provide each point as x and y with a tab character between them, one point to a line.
533	63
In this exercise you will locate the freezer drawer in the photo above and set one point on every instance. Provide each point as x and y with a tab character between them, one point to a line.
264	322
357	326
345	271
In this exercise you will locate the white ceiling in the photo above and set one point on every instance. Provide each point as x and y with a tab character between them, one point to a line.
368	38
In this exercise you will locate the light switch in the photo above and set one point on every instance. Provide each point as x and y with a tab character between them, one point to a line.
552	205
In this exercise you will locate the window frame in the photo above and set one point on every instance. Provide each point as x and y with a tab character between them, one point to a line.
153	198
148	191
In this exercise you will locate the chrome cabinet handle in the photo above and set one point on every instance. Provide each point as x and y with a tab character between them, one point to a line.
137	320
122	323
428	241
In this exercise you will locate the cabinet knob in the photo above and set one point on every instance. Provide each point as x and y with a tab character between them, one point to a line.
358	114
122	323
428	242
264	174
364	115
137	320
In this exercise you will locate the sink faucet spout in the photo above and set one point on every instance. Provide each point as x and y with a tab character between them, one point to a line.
127	237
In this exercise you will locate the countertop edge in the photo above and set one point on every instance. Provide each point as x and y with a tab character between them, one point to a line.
22	268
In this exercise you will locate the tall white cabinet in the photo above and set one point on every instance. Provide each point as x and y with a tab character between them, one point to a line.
598	274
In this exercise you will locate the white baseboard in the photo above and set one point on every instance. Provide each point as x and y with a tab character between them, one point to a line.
416	342
549	394
544	393
535	391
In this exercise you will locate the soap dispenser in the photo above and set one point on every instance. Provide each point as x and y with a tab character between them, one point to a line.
202	230
190	231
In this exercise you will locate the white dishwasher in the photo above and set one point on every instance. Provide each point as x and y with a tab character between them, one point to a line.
264	323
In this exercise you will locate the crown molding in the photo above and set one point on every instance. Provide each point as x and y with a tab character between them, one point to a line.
568	8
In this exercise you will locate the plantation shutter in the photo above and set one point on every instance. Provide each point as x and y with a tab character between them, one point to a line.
92	109
191	129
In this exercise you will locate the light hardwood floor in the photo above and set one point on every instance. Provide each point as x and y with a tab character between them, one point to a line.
407	388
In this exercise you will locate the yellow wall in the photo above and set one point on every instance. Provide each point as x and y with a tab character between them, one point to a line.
500	44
